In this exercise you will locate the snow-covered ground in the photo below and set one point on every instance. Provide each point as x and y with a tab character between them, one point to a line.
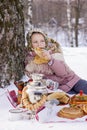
76	58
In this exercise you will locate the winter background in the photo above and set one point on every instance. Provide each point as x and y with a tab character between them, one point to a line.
76	58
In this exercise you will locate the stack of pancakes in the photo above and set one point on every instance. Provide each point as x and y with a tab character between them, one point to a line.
71	112
77	108
78	100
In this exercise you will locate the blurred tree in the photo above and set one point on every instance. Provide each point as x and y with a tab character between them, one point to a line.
27	17
77	9
12	41
58	9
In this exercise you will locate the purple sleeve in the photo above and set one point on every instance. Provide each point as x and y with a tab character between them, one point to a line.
58	67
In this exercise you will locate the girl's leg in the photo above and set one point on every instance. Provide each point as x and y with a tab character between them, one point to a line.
72	92
80	85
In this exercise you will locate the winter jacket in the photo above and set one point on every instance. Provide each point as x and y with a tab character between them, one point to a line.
58	71
64	75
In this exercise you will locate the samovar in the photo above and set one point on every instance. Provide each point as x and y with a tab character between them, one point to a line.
36	88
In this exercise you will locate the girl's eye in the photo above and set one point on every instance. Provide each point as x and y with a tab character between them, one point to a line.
35	42
42	41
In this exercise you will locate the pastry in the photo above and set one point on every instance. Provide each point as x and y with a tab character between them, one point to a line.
39	59
84	108
32	106
38	51
71	112
61	96
78	99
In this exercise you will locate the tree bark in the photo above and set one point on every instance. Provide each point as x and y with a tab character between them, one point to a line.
12	41
70	35
76	26
77	16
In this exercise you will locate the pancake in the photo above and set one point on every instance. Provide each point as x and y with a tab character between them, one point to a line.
38	51
38	58
71	112
78	100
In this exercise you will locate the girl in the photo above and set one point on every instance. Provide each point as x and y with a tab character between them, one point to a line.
51	63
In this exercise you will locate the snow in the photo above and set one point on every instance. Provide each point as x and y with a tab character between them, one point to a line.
76	58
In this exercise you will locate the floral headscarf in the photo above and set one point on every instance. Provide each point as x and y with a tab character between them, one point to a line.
51	44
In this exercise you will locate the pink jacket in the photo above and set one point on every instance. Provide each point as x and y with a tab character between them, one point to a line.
64	75
57	71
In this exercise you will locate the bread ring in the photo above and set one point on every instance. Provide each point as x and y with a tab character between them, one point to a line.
30	106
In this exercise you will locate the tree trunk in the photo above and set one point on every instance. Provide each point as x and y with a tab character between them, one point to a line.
28	17
69	23
12	41
77	7
76	25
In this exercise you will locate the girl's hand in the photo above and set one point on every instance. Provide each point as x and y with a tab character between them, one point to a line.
46	54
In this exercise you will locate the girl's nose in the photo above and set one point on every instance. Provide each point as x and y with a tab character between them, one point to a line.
39	44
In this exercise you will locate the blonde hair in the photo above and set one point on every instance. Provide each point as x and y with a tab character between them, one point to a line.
50	43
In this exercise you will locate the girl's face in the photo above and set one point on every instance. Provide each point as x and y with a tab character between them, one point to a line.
38	40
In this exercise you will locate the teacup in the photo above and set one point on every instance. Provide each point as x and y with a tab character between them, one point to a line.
52	85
